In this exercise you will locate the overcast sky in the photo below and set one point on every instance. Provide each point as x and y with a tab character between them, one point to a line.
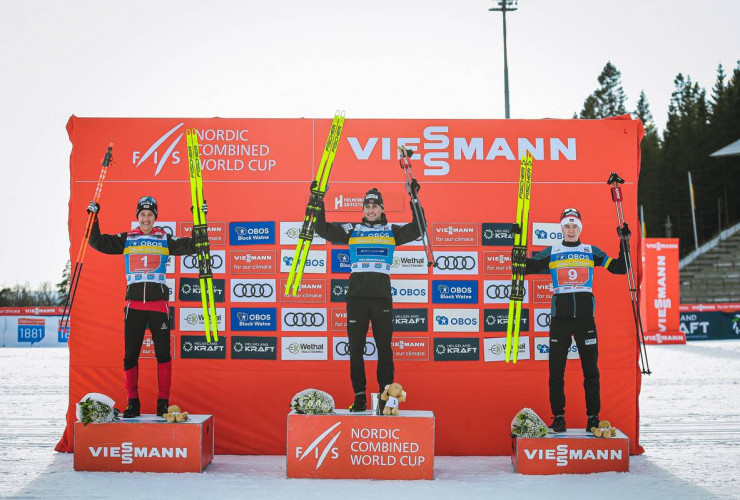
291	58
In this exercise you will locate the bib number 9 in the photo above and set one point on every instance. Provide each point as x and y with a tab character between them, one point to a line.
573	276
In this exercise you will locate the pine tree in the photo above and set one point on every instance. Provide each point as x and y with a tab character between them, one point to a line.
609	99
649	186
63	286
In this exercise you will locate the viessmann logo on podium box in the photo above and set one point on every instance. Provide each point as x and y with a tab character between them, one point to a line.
578	454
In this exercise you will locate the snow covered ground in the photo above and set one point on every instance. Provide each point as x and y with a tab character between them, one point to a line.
690	430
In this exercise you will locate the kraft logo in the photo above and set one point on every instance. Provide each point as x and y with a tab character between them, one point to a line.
315	450
562	454
127	452
154	153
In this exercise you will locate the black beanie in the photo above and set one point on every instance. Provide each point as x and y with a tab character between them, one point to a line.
146	203
373	196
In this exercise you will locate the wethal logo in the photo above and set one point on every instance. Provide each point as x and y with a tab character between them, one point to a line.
410	291
189	263
191	319
190	291
339	289
341	349
252	233
546	233
542	349
340	262
243	347
315	263
303	319
410	320
196	346
456	349
410	348
496	320
290	231
321	449
497	234
304	348
498	291
253	290
457	263
153	151
31	330
456	320
254	319
409	262
454	292
494	349
455	234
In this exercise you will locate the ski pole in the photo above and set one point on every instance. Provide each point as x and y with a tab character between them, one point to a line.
75	278
616	191
418	210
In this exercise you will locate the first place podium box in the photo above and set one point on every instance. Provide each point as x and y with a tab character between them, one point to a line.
572	452
145	444
346	445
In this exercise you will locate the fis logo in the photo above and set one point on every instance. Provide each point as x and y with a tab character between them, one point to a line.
153	151
321	449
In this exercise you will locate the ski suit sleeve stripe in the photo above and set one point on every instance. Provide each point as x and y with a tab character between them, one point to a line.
539	263
181	246
111	244
614	266
336	233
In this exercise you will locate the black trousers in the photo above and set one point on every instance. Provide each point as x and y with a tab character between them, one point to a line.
584	332
135	325
360	312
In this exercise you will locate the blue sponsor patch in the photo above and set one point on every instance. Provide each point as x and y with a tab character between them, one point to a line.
455	291
252	233
249	319
63	335
340	261
31	333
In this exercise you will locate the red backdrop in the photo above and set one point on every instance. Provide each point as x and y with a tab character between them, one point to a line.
468	170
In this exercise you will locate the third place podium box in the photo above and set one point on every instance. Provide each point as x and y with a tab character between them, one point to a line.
345	445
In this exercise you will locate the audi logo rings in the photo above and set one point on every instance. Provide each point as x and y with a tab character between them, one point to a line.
500	291
191	261
543	319
342	348
304	319
253	290
456	263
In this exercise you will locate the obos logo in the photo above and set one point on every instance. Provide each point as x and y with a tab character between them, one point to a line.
496	320
455	292
304	348
341	349
191	319
456	349
409	262
301	319
315	262
410	320
542	349
253	290
189	290
340	262
189	263
243	347
195	346
339	289
289	232
494	349
546	233
254	319
410	291
252	233
158	156
542	320
499	291
456	320
497	234
457	263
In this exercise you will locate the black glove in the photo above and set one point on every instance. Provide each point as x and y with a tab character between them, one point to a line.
415	187
204	207
93	208
624	232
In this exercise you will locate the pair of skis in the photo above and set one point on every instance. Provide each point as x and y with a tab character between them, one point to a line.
200	236
318	190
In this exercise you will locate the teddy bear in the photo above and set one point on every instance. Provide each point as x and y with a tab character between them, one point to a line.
175	415
604	430
392	395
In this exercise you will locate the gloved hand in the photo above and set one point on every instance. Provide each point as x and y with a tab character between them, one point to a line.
415	187
93	208
315	186
624	232
204	207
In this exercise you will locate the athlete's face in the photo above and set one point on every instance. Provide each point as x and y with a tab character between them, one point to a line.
146	221
372	212
571	232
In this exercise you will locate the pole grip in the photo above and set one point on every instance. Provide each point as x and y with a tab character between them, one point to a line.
616	193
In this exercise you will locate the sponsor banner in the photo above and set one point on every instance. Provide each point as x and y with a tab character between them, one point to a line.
254	319
339	289
410	291
339	319
562	454
665	338
541	291
546	234
542	349
147	347
253	262
456	320
253	290
411	320
303	319
304	348
310	291
216	232
454	234
456	263
497	320
497	234
289	232
189	290
191	319
498	291
726	306
243	347
497	262
409	262
31	311
410	348
196	347
454	292
661	285
541	320
189	263
494	349
456	349
341	349
340	262
172	287
315	263
252	233
344	201
717	324
31	330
